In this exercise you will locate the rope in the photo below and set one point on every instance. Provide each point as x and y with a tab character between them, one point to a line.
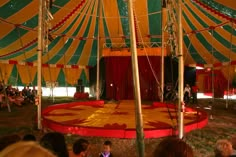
64	59
154	74
45	49
149	62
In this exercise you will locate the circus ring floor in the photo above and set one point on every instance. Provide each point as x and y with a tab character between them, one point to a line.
117	120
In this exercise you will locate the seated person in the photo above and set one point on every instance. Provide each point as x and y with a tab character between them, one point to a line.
8	140
223	148
187	93
173	147
55	142
106	149
80	148
25	149
29	137
24	92
17	100
2	100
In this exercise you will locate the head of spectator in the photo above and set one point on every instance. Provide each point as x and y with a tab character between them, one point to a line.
173	147
106	148
29	137
233	141
25	149
8	140
223	148
80	147
55	142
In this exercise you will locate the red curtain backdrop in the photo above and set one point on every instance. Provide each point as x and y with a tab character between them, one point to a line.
220	82
119	80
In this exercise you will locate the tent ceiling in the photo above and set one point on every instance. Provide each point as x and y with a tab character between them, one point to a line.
209	34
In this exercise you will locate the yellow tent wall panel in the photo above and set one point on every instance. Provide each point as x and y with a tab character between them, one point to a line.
6	70
27	73
72	75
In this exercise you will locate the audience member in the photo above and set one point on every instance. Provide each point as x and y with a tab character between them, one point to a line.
173	147
223	148
8	140
233	141
187	93
106	149
24	92
80	148
2	99
25	149
1	86
29	137
55	142
13	96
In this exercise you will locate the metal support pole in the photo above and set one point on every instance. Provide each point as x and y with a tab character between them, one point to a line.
40	51
98	52
64	57
135	71
212	76
162	56
181	72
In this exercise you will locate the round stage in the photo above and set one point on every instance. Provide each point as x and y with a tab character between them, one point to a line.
117	119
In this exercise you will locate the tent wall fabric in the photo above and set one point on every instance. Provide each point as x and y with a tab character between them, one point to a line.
24	75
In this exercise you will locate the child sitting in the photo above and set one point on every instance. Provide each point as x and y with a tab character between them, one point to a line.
106	149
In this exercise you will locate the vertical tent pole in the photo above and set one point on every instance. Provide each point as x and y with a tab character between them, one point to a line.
135	71
40	50
181	72
46	28
64	58
52	83
229	65
162	53
98	52
46	35
212	75
17	77
66	76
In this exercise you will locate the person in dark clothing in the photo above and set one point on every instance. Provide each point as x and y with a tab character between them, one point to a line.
173	147
80	147
55	142
29	137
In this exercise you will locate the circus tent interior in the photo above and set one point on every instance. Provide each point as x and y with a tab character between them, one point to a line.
79	33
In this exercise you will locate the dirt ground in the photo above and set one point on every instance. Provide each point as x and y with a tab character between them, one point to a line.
222	124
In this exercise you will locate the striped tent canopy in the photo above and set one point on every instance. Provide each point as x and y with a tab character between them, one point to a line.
209	28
